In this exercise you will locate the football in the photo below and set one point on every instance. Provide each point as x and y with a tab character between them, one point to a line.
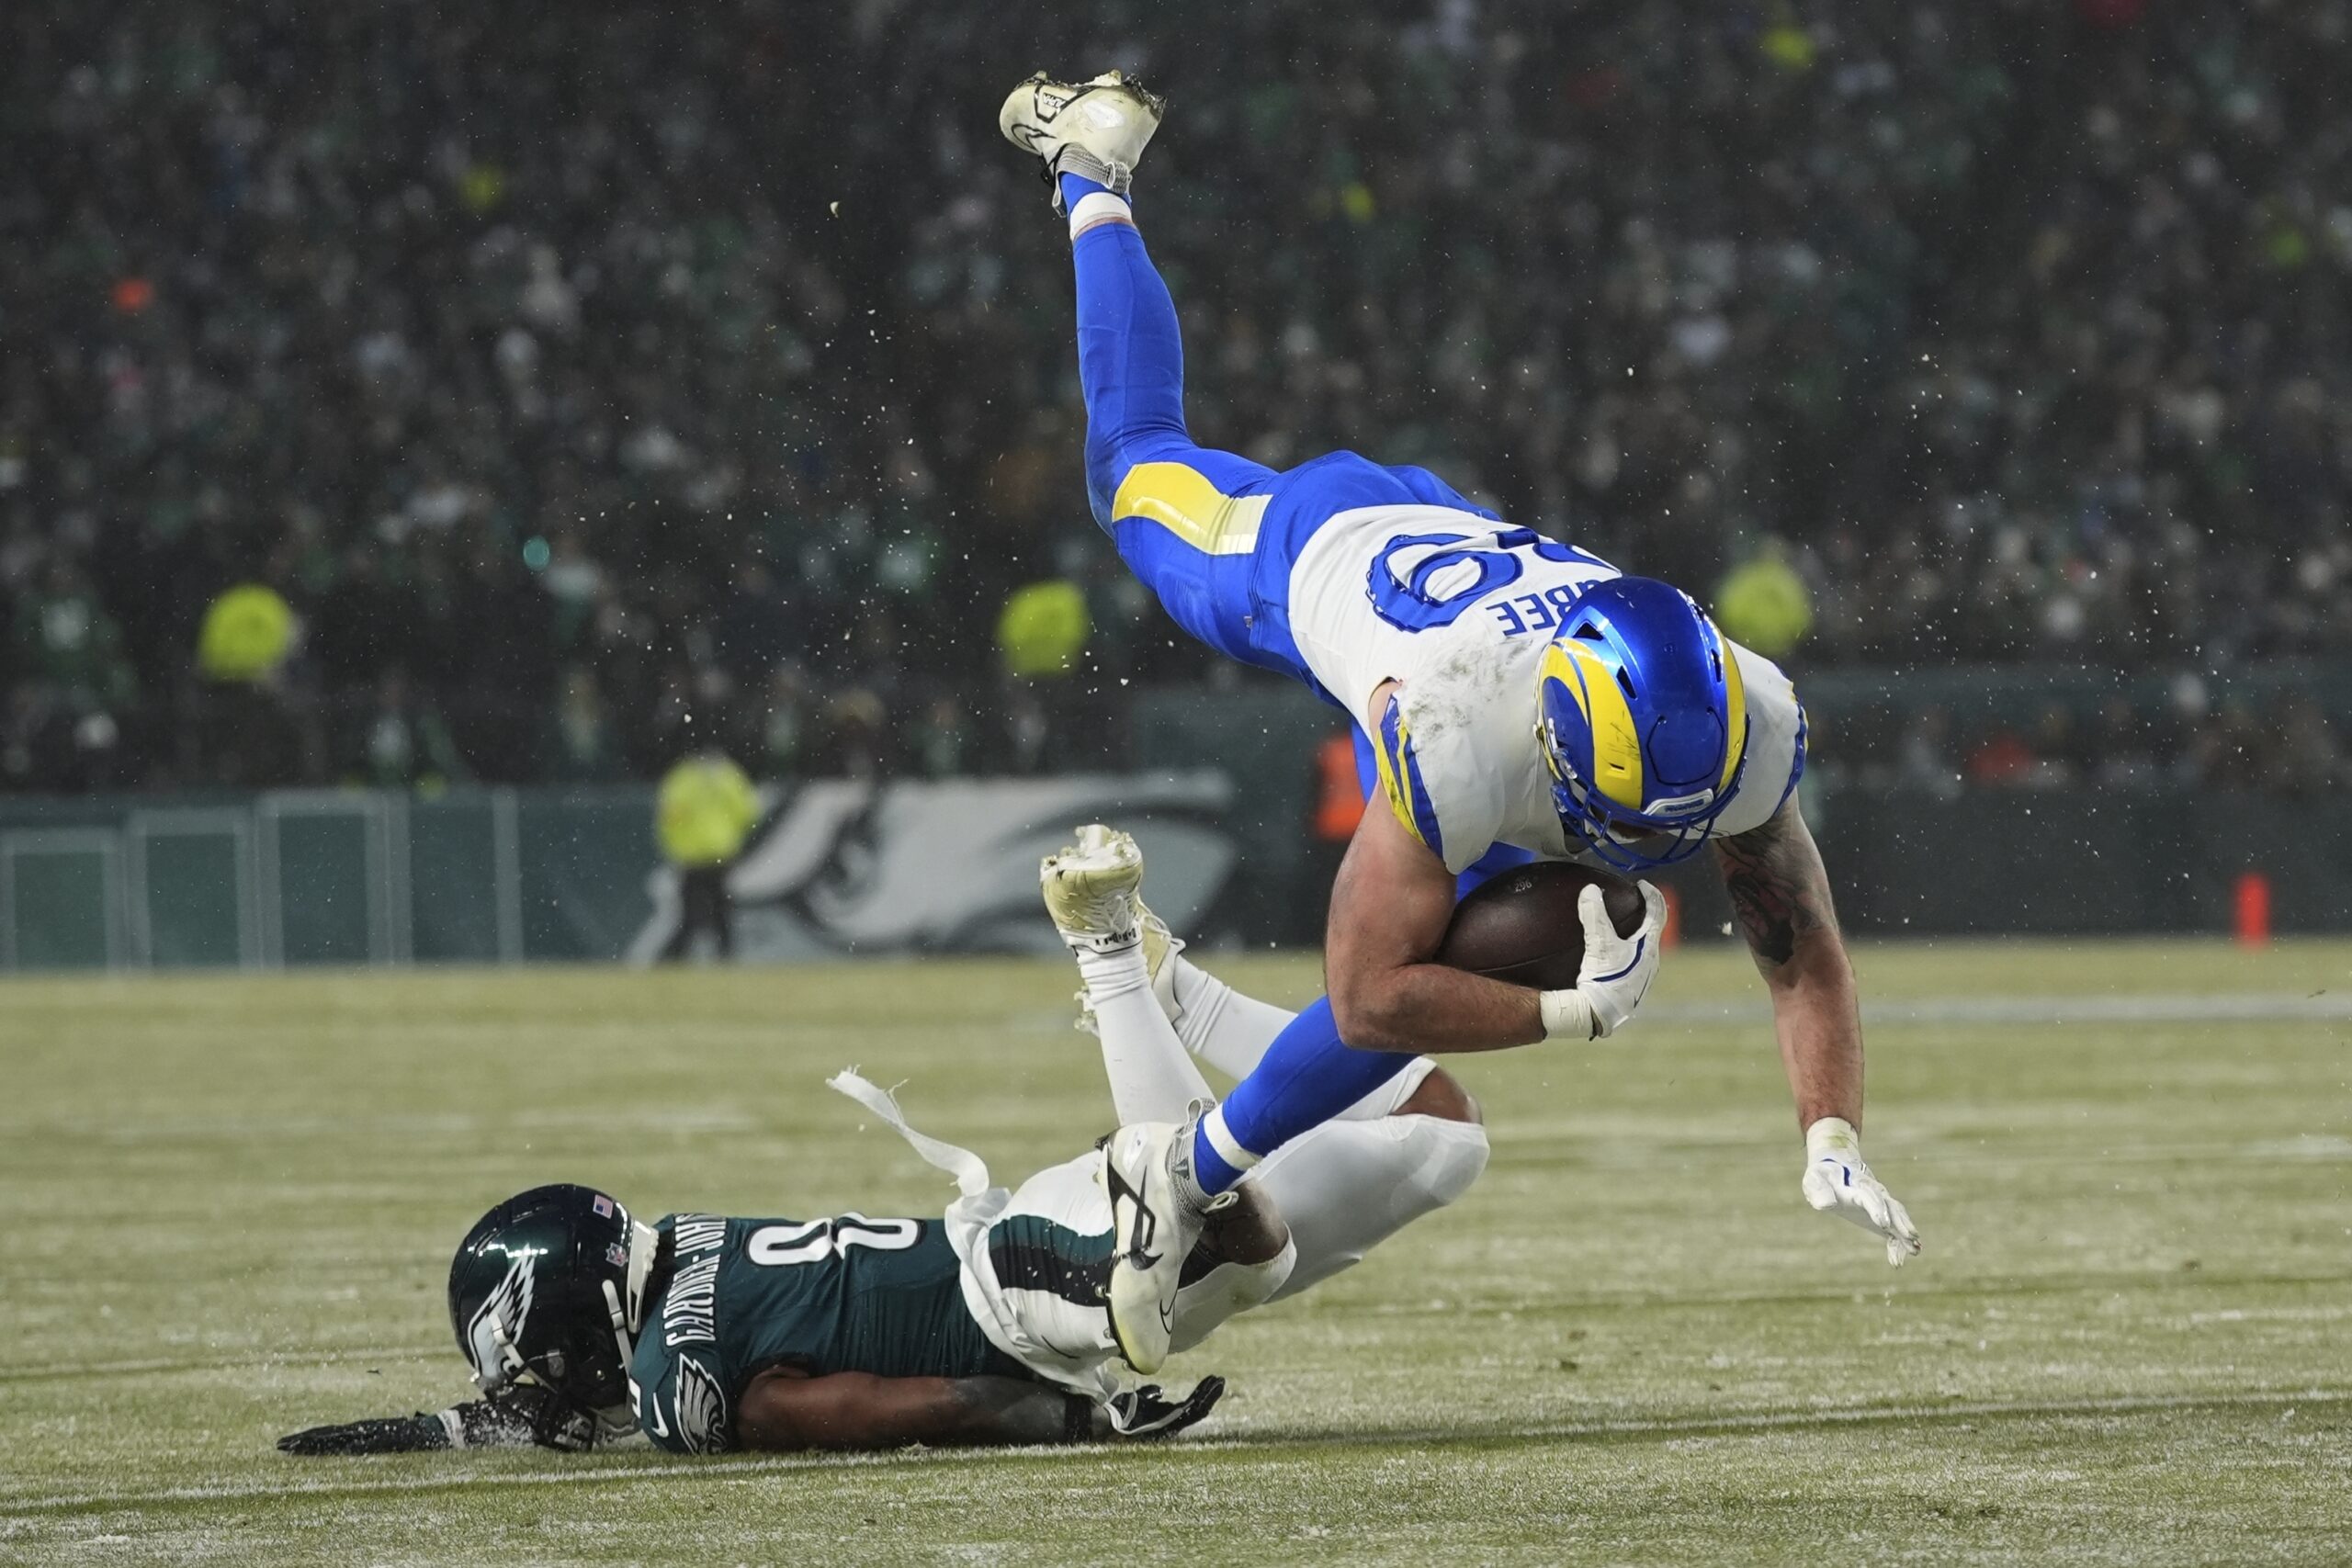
1522	926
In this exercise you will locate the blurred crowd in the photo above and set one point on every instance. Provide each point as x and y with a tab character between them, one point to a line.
598	387
2286	747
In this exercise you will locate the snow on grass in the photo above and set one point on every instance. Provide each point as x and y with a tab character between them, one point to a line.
232	1201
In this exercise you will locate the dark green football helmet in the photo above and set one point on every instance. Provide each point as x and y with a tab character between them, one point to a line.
549	1289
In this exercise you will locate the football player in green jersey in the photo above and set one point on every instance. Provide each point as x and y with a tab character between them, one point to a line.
984	1326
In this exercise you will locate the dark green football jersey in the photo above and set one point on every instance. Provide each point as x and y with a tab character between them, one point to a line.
847	1294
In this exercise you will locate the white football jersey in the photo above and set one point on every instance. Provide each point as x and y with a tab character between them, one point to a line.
1458	609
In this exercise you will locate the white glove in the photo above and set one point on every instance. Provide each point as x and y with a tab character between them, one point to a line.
1616	972
1836	1180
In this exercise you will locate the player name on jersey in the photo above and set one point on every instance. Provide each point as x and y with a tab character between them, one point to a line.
690	1307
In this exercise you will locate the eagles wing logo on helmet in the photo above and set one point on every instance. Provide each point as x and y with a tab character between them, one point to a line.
502	1314
701	1408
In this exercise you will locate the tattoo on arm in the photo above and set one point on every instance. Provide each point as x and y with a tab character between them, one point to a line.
1779	889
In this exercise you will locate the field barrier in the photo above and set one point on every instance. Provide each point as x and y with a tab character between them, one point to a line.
515	875
258	882
838	868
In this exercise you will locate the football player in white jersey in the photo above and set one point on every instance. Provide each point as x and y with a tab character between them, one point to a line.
1518	699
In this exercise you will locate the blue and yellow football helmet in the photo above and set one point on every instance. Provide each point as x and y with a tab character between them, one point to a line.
1643	720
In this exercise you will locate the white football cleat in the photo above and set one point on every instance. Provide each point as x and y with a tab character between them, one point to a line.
1089	890
1159	946
1094	129
1147	1167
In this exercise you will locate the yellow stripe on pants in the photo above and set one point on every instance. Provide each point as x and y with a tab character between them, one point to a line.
1181	499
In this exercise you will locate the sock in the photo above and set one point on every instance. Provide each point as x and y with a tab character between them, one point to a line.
1218	1024
1308	1076
1113	973
1152	1079
1346	1187
1102	209
1231	1031
1076	189
1218	1158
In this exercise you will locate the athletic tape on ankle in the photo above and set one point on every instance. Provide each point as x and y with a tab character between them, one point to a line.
1098	207
1222	1140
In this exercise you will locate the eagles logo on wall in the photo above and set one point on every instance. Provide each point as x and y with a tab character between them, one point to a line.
949	866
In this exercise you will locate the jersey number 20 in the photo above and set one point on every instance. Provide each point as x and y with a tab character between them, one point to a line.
1422	580
813	1241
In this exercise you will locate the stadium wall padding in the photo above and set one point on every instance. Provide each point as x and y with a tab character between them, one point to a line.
842	869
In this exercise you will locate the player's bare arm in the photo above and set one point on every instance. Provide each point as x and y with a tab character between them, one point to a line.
785	1410
1390	907
1780	892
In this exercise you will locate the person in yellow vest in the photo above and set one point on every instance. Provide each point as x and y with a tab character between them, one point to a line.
704	810
1763	604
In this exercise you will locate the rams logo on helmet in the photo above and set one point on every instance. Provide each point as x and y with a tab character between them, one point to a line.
1642	718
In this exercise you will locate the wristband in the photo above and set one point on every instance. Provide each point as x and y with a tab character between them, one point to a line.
1078	1418
1566	1015
1831	1133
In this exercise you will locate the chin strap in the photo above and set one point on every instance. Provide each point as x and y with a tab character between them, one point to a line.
510	1359
644	1243
617	1419
626	1314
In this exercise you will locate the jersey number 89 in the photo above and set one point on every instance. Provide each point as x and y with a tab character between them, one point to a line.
1423	580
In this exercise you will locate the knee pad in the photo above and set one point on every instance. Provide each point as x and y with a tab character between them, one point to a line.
1348	1186
1454	1155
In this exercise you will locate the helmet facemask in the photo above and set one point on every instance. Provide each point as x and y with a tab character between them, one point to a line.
1598	825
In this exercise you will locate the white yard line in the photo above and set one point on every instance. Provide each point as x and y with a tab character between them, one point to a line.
274	1360
740	1470
445	1126
2104	1007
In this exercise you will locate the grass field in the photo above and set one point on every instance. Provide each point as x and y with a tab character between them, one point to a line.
230	1205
